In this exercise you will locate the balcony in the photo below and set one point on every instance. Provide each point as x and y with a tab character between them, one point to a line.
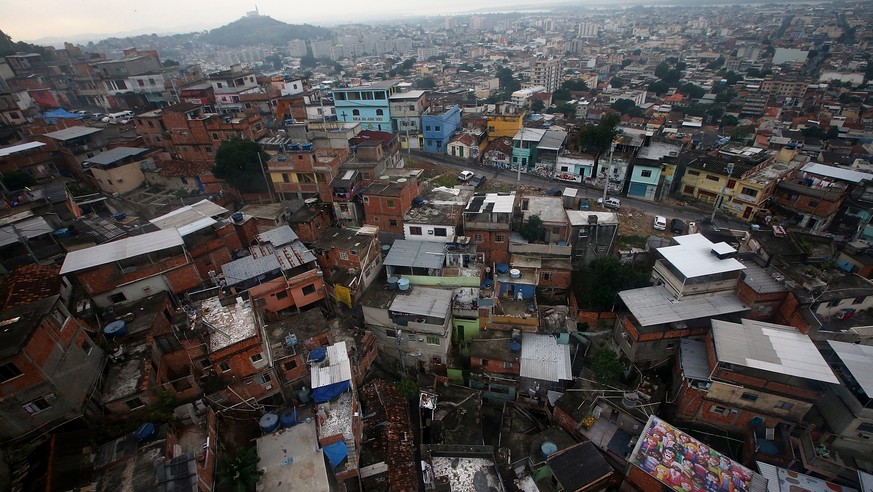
820	458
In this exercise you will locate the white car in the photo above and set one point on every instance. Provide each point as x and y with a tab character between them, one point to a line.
660	223
465	176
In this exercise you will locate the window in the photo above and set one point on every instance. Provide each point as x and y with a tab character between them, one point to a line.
392	222
118	297
87	346
257	358
292	364
390	333
427	127
389	203
437	128
309	289
784	405
499	238
694	173
547	275
440	231
835	303
206	363
281	295
379	112
647	173
749	397
711	177
859	300
865	427
344	255
433	340
415	231
36	406
263	378
9	371
813	203
356	112
477	238
224	366
718	409
731	183
214	136
507	365
134	403
749	191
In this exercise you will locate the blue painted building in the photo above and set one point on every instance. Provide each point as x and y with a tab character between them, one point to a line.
366	104
439	128
644	178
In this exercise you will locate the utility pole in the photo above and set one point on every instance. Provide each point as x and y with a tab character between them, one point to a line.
266	180
606	174
521	147
400	350
730	170
23	240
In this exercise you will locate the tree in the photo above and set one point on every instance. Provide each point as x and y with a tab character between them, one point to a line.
538	106
236	162
716	64
561	95
308	61
606	366
729	120
693	91
626	62
658	87
661	70
170	63
532	230
623	105
407	388
616	83
566	109
599	137
426	83
507	80
672	76
575	85
240	472
607	276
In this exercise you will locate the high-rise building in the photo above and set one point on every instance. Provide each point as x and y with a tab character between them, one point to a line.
547	73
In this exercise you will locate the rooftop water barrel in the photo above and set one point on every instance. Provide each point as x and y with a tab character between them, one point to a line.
515	273
403	284
288	417
486	284
502	268
144	432
237	217
392	282
307	147
291	340
304	395
548	448
115	329
318	354
269	422
385	249
119	216
514	347
62	232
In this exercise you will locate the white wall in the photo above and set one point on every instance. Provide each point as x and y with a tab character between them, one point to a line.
427	233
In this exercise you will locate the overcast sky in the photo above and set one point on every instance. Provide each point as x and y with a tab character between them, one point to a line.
30	20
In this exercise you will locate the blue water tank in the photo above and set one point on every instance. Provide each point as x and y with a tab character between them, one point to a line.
502	268
269	422
318	354
288	417
144	432
119	216
392	282
237	217
307	147
115	329
62	232
486	284
403	284
514	347
304	395
548	448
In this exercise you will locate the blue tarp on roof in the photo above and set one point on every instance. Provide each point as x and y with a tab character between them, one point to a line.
60	113
329	392
336	453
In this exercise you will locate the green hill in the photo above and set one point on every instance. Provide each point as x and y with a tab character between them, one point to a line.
9	47
262	30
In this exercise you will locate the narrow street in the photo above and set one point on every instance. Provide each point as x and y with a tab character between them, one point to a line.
688	213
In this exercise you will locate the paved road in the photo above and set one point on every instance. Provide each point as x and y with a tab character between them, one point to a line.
688	213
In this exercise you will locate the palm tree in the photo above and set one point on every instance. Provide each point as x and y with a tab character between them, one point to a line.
240	471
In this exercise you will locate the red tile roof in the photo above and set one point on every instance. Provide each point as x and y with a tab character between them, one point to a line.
29	283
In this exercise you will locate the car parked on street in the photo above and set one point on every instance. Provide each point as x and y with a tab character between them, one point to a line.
465	176
677	226
612	203
585	204
660	223
477	181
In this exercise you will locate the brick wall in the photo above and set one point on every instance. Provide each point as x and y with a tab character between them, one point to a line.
184	278
559	279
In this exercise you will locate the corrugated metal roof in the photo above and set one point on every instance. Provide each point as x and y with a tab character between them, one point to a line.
544	359
858	360
654	305
784	480
121	249
500	203
423	301
775	348
115	155
418	254
190	218
5	151
768	471
836	172
30	228
866	480
337	368
248	267
552	140
73	132
693	256
278	236
695	363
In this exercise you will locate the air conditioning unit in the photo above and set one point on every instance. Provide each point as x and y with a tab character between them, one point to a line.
51	397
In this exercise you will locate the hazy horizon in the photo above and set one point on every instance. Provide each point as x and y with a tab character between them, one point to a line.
76	21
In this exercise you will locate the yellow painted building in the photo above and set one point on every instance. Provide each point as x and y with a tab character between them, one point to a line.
504	125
